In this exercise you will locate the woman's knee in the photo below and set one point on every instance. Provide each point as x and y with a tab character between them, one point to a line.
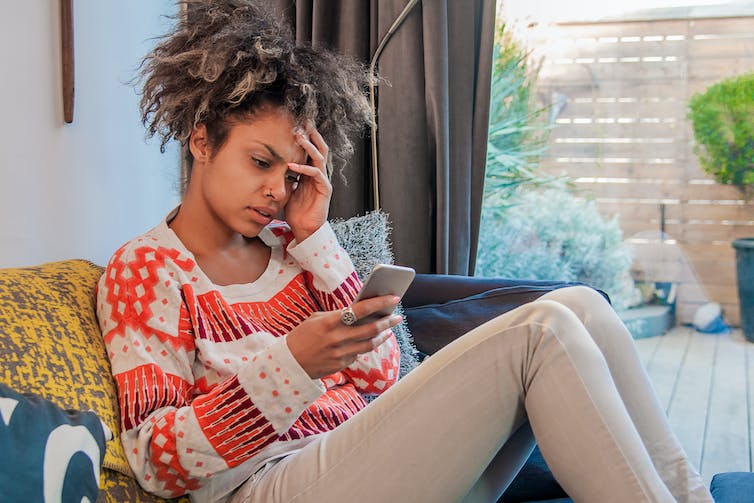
596	314
581	299
544	313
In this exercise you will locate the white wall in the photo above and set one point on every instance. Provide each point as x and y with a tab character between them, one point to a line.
78	190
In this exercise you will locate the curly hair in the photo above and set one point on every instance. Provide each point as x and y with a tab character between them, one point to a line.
225	59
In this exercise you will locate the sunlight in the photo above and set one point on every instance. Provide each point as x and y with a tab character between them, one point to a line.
552	10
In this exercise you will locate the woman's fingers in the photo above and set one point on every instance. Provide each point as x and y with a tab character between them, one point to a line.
305	170
382	304
381	337
314	145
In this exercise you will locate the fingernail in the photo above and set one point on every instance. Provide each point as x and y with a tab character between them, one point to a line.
298	130
396	318
396	299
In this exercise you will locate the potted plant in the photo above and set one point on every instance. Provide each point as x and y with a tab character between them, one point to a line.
722	118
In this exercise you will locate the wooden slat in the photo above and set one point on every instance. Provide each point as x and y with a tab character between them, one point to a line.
722	293
616	149
739	45
728	25
660	171
586	51
688	407
647	348
614	29
646	89
644	213
570	73
685	312
706	233
665	366
735	213
682	212
614	129
719	68
727	421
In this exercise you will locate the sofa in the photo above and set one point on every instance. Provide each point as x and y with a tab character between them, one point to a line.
53	353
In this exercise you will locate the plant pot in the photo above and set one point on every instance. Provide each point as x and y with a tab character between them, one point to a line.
745	270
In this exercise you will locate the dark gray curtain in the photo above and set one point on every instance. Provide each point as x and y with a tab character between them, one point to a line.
432	119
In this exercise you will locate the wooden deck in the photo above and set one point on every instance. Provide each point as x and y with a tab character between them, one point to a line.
706	384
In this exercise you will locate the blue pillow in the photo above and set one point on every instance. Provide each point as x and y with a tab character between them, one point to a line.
435	325
48	454
733	487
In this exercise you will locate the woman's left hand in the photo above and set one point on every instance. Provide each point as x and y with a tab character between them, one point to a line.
309	204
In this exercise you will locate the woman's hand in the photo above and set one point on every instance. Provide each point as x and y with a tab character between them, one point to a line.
323	345
309	204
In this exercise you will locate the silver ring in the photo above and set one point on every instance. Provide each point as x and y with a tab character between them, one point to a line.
347	316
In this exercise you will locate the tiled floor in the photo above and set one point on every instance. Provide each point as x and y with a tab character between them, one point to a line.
706	384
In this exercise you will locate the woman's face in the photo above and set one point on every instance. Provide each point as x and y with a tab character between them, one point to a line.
246	182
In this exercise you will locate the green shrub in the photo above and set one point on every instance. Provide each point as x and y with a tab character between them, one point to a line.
517	132
553	235
722	118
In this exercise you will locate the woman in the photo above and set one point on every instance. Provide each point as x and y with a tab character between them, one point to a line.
240	376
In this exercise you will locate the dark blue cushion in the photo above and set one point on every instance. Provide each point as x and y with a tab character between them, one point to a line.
435	325
733	487
533	483
48	454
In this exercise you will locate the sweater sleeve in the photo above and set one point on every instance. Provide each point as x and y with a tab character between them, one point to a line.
177	432
333	280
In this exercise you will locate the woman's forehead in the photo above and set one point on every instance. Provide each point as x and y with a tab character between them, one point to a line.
272	129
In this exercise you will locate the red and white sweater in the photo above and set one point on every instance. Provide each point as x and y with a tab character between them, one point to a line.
209	391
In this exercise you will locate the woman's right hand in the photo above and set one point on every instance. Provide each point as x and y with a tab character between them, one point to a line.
323	345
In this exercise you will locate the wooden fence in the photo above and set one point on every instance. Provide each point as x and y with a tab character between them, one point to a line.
619	92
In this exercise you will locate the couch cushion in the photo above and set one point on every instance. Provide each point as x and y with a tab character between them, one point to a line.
435	325
48	453
50	342
733	487
118	488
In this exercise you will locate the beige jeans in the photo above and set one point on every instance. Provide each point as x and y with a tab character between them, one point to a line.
455	429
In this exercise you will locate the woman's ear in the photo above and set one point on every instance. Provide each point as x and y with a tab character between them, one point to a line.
198	144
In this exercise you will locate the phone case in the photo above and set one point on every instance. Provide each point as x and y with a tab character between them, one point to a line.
385	279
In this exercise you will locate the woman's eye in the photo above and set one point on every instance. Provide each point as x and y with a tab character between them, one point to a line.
262	164
293	179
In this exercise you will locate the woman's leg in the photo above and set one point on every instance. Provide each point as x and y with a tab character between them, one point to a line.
633	384
432	435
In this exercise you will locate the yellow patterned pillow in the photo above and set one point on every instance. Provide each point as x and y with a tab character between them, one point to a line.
118	488
51	345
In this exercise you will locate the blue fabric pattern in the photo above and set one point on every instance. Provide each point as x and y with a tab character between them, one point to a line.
48	454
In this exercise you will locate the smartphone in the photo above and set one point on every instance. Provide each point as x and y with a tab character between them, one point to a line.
385	279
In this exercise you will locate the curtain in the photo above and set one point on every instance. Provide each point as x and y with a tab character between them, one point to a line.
432	119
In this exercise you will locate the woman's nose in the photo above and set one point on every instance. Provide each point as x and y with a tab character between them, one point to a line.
275	187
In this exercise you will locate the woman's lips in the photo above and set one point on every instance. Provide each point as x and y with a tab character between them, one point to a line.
262	215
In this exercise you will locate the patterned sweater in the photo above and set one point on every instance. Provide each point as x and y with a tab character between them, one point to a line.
209	391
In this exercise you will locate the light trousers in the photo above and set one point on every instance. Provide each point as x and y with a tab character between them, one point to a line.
458	427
